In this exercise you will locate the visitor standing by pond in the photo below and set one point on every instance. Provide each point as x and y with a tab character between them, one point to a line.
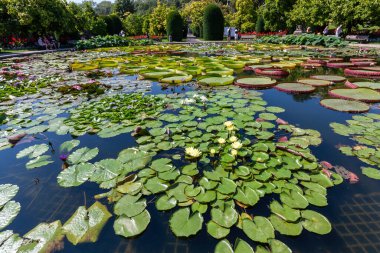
338	31
229	34
236	34
326	31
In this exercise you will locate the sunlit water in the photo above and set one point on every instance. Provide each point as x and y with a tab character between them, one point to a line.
354	209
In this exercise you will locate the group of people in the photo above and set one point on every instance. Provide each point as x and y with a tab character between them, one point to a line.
338	31
48	42
229	34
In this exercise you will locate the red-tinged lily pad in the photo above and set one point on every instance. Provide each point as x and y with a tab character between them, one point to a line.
364	84
362	73
271	72
335	79
255	83
315	82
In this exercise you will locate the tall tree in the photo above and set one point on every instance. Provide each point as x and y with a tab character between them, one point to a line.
124	6
157	19
104	8
245	16
274	14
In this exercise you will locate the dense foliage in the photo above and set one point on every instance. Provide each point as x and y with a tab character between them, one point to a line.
109	41
174	24
213	23
307	39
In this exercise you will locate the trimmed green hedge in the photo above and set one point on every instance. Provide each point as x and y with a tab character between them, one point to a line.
213	23
174	25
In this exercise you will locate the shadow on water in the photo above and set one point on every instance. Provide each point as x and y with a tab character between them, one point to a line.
353	210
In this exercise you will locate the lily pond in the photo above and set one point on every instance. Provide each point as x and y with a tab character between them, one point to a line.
191	148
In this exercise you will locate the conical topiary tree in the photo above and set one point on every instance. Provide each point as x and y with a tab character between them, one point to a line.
174	25
213	23
260	24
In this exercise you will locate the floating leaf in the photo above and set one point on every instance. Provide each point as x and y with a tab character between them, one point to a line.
39	162
371	172
217	231
33	151
315	222
225	218
284	227
183	224
82	155
8	213
242	246
7	192
67	146
75	175
259	230
130	206
223	246
129	227
86	225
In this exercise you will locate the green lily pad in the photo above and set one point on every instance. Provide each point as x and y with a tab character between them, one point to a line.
129	227
258	230
315	222
82	155
242	246
7	192
183	224
39	161
67	146
86	225
33	151
223	246
130	205
165	203
225	218
284	211
294	199
294	88
217	231
255	82
371	172
8	213
75	175
277	246
284	227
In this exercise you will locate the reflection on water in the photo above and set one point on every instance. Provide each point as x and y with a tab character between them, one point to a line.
354	210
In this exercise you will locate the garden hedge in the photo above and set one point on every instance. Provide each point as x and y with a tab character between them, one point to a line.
174	25
213	23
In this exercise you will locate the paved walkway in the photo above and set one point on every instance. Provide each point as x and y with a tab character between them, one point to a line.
377	46
27	53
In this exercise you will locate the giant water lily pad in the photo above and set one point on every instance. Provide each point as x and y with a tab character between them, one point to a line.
294	88
217	81
255	82
315	222
361	94
343	105
176	79
184	224
86	225
371	85
315	82
331	78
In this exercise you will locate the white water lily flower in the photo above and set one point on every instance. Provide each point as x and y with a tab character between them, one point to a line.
195	96
233	138
236	145
193	152
212	151
228	124
221	141
203	99
234	152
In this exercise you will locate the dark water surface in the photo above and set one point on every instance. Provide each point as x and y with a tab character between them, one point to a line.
353	210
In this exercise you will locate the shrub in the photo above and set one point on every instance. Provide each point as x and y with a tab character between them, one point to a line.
114	24
174	25
260	24
213	23
99	27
